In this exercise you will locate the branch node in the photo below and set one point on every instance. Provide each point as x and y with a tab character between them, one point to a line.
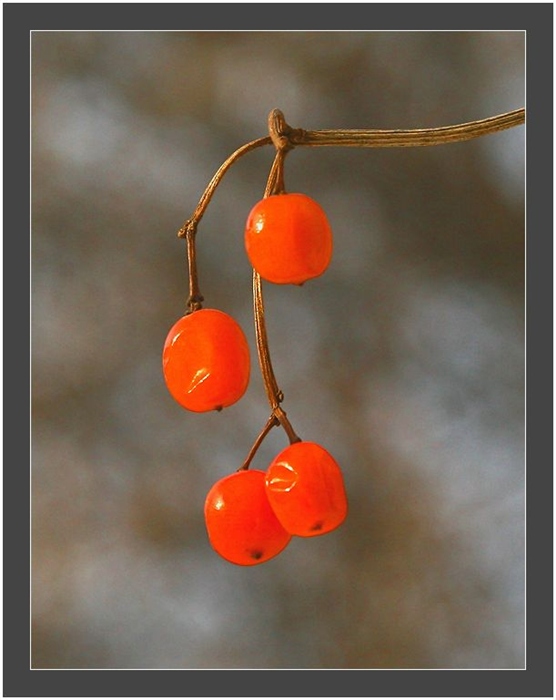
194	303
188	229
280	131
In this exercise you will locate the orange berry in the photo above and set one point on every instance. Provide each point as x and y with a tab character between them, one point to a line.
288	238
206	361
241	526
305	487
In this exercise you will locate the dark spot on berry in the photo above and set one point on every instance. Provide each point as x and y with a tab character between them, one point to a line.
218	408
256	554
317	526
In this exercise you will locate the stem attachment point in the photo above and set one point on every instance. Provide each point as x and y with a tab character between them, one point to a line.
280	131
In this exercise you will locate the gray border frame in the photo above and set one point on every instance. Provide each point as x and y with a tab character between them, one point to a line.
20	19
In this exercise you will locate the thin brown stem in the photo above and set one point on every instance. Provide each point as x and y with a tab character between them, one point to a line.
274	185
195	299
215	181
286	424
390	138
271	422
189	228
284	137
273	392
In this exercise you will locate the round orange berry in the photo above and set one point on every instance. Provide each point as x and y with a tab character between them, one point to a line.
305	488
206	360
288	238
241	526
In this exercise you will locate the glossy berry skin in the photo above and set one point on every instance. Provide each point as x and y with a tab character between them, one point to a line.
241	526
206	361
306	490
288	238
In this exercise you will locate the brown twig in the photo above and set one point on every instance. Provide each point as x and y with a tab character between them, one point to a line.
274	185
285	138
271	422
390	138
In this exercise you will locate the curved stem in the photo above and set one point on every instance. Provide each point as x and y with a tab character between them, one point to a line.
389	138
285	138
189	228
271	422
215	181
274	185
273	392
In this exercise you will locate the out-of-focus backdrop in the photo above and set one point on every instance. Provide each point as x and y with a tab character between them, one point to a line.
405	360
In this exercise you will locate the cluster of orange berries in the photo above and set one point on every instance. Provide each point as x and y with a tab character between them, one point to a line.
251	515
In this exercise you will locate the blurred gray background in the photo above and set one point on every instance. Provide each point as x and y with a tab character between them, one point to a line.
405	360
